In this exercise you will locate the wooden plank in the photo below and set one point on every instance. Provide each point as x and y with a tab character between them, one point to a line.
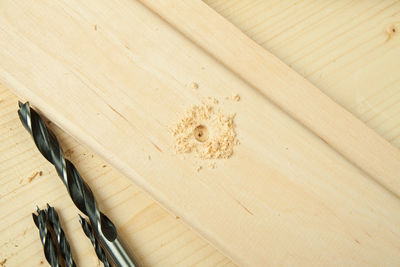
287	89
354	59
159	238
304	196
377	104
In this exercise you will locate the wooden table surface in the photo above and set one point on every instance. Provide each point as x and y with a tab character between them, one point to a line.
350	50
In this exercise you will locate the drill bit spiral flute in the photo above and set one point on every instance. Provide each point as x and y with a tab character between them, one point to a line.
87	229
80	193
54	222
49	246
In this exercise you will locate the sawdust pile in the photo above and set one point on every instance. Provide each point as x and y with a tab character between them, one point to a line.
207	132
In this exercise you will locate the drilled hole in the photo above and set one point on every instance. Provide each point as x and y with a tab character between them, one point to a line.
201	133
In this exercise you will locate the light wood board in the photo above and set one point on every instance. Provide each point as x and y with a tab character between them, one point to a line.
293	94
158	238
349	49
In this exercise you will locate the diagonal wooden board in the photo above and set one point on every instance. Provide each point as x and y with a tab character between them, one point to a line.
287	89
354	59
27	180
303	198
373	101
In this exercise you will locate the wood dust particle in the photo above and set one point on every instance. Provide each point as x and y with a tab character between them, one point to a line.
95	27
195	85
40	173
30	178
220	127
236	98
199	168
104	166
3	262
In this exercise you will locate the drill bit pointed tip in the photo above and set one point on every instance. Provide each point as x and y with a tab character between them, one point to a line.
50	250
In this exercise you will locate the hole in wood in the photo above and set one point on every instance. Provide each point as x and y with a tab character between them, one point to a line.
201	133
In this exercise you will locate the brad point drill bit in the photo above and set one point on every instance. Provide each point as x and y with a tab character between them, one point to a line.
80	193
87	229
50	250
62	241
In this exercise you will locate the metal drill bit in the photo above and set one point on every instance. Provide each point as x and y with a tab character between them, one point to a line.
87	229
49	247
80	193
62	241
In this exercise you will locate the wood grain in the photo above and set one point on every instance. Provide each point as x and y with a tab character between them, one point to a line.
293	94
348	49
159	238
177	253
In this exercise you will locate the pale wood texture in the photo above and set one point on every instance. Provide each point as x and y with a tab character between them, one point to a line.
159	238
348	49
287	89
160	229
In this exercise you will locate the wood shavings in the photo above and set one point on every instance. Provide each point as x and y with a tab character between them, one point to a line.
236	98
195	85
206	132
30	178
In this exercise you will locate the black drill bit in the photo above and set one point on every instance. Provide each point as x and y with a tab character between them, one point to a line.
79	191
50	250
87	229
62	241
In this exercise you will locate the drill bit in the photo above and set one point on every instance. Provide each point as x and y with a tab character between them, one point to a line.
49	247
62	241
80	193
87	229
